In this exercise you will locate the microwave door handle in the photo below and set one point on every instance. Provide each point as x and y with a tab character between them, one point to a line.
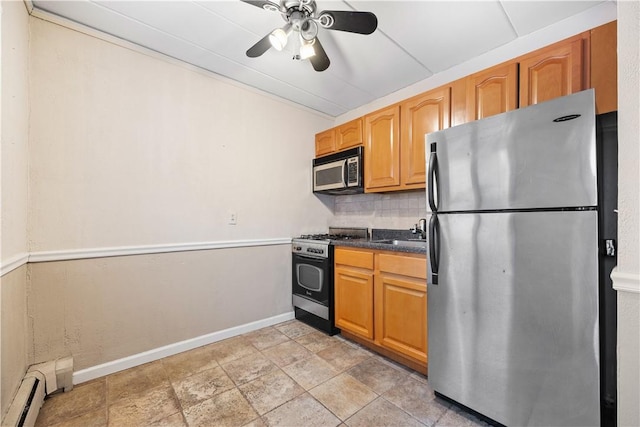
345	173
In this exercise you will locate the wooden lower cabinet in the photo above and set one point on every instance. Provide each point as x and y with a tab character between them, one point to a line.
382	302
402	315
354	300
353	290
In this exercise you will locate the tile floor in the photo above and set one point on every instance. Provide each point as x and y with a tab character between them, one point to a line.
284	375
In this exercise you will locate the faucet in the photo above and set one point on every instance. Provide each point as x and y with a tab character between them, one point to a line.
420	228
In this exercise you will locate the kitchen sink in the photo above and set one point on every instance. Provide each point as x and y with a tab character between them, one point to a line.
417	243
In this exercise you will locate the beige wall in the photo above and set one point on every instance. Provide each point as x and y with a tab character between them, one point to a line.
14	35
127	149
130	150
100	310
15	116
14	334
627	275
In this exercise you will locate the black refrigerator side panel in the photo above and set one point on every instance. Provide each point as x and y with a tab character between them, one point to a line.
607	146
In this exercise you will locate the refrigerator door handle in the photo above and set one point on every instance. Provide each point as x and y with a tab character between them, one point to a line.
432	178
434	248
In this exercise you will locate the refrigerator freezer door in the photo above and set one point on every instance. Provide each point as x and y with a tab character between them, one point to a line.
513	322
521	159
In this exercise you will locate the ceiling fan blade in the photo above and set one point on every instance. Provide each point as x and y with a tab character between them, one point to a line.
320	60
266	5
259	48
353	22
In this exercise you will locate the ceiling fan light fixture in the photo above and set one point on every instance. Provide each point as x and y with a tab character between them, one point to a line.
306	49
302	17
278	37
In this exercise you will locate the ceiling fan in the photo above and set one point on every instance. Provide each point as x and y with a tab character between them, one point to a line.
303	20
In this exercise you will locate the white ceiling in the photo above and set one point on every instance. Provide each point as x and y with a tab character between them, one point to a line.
414	40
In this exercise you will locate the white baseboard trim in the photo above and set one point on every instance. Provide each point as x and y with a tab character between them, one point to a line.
98	371
626	282
13	263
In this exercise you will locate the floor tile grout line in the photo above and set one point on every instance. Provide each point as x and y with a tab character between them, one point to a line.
259	349
175	395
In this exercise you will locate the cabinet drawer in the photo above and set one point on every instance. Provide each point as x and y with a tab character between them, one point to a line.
406	266
361	259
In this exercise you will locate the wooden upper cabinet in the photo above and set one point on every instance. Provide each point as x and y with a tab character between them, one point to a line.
492	91
459	102
420	115
349	134
393	137
604	66
382	149
552	72
325	142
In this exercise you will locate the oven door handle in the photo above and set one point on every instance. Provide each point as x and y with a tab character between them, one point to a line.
315	258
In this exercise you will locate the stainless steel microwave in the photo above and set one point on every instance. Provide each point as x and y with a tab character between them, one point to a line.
339	173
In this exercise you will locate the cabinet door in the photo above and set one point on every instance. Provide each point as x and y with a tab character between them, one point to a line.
420	115
354	301
459	102
325	142
604	66
349	134
492	91
401	305
382	149
552	72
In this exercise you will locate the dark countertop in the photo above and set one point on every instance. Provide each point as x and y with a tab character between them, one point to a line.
371	244
378	234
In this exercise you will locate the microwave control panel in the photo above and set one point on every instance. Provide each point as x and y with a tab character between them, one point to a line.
352	172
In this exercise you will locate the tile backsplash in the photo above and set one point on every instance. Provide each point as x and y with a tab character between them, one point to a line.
389	210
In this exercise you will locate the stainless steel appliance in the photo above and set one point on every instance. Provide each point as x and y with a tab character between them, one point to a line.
339	173
312	263
514	319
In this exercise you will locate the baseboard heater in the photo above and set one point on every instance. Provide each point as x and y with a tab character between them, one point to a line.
40	380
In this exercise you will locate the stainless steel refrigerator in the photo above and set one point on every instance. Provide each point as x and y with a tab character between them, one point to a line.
514	262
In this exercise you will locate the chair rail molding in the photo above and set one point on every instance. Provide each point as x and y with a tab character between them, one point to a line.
627	282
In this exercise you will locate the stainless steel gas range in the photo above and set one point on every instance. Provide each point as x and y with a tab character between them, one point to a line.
312	263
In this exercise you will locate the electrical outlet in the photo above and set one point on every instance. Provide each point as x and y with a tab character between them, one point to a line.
233	218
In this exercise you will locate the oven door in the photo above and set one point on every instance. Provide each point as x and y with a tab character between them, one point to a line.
312	278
